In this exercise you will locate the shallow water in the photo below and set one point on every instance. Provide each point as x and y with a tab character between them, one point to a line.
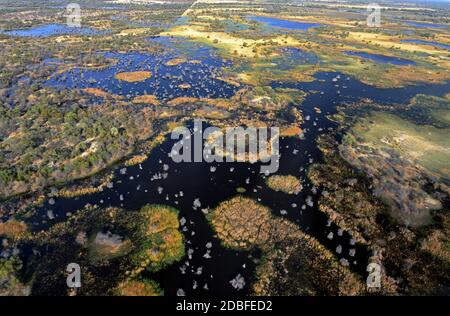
196	180
200	72
53	29
382	58
140	184
284	24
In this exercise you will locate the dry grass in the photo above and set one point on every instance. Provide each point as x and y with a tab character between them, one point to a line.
13	228
138	288
146	99
134	76
176	61
242	223
287	184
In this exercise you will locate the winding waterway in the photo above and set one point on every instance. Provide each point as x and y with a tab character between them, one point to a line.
159	180
139	186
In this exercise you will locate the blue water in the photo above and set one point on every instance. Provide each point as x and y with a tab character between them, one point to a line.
436	26
285	24
199	71
53	29
111	7
426	43
382	58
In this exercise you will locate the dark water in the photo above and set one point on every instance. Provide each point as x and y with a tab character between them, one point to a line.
52	30
285	24
437	44
140	184
382	58
200	71
334	88
196	181
160	180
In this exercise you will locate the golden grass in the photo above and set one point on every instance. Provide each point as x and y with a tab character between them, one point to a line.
12	228
290	131
138	288
232	45
242	223
134	76
136	159
184	86
287	184
388	41
101	93
176	61
146	99
182	100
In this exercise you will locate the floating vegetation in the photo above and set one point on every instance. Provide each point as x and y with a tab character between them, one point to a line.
287	184
134	76
176	61
13	228
139	288
291	131
135	160
74	105
161	242
241	190
242	223
100	93
146	99
139	73
184	86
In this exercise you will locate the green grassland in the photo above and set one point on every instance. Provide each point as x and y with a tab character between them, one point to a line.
427	145
403	149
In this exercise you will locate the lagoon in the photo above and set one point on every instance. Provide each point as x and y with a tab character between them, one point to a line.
197	74
382	58
285	24
52	30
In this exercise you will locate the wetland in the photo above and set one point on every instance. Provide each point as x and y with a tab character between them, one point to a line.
86	167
